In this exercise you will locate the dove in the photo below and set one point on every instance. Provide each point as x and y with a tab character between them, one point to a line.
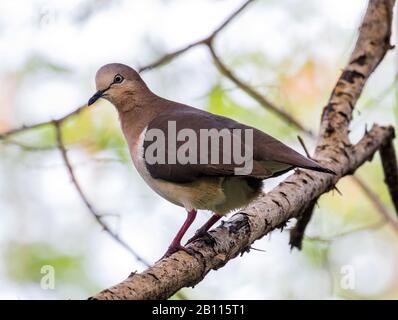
190	157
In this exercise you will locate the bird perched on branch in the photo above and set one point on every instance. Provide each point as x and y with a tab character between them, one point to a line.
177	150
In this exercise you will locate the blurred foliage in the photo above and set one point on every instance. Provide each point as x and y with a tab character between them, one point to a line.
316	252
96	131
36	63
91	132
25	261
220	102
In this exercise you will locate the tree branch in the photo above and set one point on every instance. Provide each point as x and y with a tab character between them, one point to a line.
389	161
234	236
372	45
170	56
298	231
24	128
98	217
58	122
263	101
157	63
290	198
377	203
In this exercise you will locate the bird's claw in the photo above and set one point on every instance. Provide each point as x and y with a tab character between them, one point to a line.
173	249
201	234
198	234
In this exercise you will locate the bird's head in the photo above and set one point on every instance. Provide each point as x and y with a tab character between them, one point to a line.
115	82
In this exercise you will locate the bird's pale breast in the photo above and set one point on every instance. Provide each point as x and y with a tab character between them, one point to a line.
205	193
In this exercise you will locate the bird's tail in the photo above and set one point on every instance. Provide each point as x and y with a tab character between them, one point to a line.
317	167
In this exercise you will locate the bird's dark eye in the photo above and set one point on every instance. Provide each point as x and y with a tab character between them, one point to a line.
118	79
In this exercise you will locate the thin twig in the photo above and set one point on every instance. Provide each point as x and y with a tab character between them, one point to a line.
170	56
23	128
378	204
27	147
90	207
374	226
161	61
263	101
304	146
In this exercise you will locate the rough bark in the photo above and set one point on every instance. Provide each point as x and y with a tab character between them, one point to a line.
390	167
293	195
297	233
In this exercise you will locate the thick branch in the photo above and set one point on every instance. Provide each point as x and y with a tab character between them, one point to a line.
293	195
372	45
389	161
297	233
233	237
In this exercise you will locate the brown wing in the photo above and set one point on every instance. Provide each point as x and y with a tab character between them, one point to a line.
264	148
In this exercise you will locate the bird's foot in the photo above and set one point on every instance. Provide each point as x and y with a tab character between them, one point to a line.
174	248
198	234
201	234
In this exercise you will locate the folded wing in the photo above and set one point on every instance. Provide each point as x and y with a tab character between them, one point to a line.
270	156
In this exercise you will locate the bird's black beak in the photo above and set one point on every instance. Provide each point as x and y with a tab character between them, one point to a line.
95	97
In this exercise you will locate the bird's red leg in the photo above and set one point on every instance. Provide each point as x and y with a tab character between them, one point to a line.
176	243
203	229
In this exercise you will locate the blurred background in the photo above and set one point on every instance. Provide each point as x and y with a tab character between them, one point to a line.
291	51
